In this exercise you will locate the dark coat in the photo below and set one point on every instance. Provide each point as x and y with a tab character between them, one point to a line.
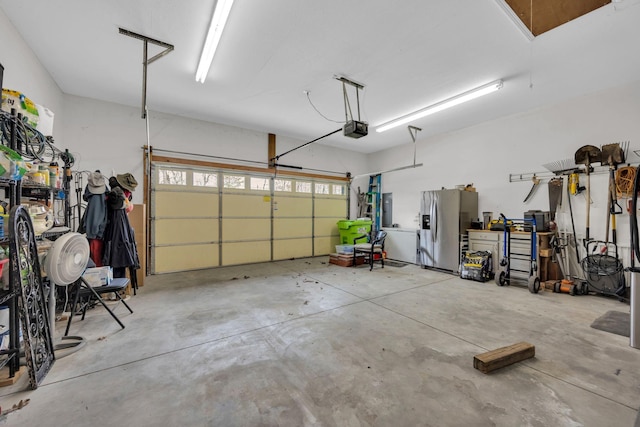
119	241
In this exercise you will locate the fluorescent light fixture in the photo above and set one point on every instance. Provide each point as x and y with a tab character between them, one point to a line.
218	21
442	105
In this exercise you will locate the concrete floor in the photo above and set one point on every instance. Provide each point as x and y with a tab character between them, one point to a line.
306	343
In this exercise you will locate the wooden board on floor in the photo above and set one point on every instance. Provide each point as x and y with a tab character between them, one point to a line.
504	356
6	380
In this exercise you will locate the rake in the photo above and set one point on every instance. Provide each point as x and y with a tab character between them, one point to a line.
561	166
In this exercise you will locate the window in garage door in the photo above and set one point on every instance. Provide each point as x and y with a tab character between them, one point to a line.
204	218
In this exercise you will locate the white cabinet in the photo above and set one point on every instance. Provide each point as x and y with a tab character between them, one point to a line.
402	244
485	240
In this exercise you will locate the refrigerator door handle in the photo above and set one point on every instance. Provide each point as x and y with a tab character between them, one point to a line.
434	218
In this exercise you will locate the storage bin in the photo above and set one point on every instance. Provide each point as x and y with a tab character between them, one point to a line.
344	249
350	229
98	276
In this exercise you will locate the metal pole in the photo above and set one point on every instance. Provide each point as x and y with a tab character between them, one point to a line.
634	336
144	80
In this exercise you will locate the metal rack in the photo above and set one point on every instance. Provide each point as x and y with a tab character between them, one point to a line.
25	295
10	297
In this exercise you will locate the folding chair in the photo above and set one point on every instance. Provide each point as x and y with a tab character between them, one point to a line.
84	290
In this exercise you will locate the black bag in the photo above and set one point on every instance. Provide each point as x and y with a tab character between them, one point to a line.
477	266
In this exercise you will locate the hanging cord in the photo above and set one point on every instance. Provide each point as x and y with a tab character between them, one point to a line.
318	111
625	177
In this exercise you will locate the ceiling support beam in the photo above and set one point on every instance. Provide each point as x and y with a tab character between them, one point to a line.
146	60
347	105
271	151
414	134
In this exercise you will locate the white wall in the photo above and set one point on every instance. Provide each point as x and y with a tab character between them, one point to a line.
486	154
110	137
23	72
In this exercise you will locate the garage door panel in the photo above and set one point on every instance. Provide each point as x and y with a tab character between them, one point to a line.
326	227
245	229
325	245
179	230
293	206
246	205
292	248
188	257
330	207
292	227
172	204
245	252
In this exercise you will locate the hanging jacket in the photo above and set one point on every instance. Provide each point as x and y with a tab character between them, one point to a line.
119	240
94	220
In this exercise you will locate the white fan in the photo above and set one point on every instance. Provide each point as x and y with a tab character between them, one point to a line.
64	264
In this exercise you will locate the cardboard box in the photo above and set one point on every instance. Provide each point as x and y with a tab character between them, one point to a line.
98	276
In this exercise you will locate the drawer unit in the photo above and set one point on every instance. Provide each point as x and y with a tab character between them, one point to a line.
479	235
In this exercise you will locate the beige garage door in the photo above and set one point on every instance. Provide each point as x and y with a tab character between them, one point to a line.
206	217
184	219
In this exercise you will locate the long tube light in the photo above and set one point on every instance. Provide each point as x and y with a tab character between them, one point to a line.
218	21
442	105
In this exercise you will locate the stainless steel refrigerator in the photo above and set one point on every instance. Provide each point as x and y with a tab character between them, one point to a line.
445	216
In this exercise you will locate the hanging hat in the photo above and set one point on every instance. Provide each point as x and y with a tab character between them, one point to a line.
127	181
115	198
96	183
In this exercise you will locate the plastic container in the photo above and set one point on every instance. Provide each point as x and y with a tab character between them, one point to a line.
11	164
354	231
5	224
344	249
25	106
4	327
3	263
44	170
53	174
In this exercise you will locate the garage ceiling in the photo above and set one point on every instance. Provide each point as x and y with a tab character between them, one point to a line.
408	54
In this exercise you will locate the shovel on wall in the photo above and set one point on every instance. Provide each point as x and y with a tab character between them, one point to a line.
587	155
612	155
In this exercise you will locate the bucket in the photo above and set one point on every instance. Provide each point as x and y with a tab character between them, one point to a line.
45	120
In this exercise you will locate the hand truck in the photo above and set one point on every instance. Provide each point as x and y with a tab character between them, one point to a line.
503	275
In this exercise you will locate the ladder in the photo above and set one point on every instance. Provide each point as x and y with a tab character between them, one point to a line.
374	202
